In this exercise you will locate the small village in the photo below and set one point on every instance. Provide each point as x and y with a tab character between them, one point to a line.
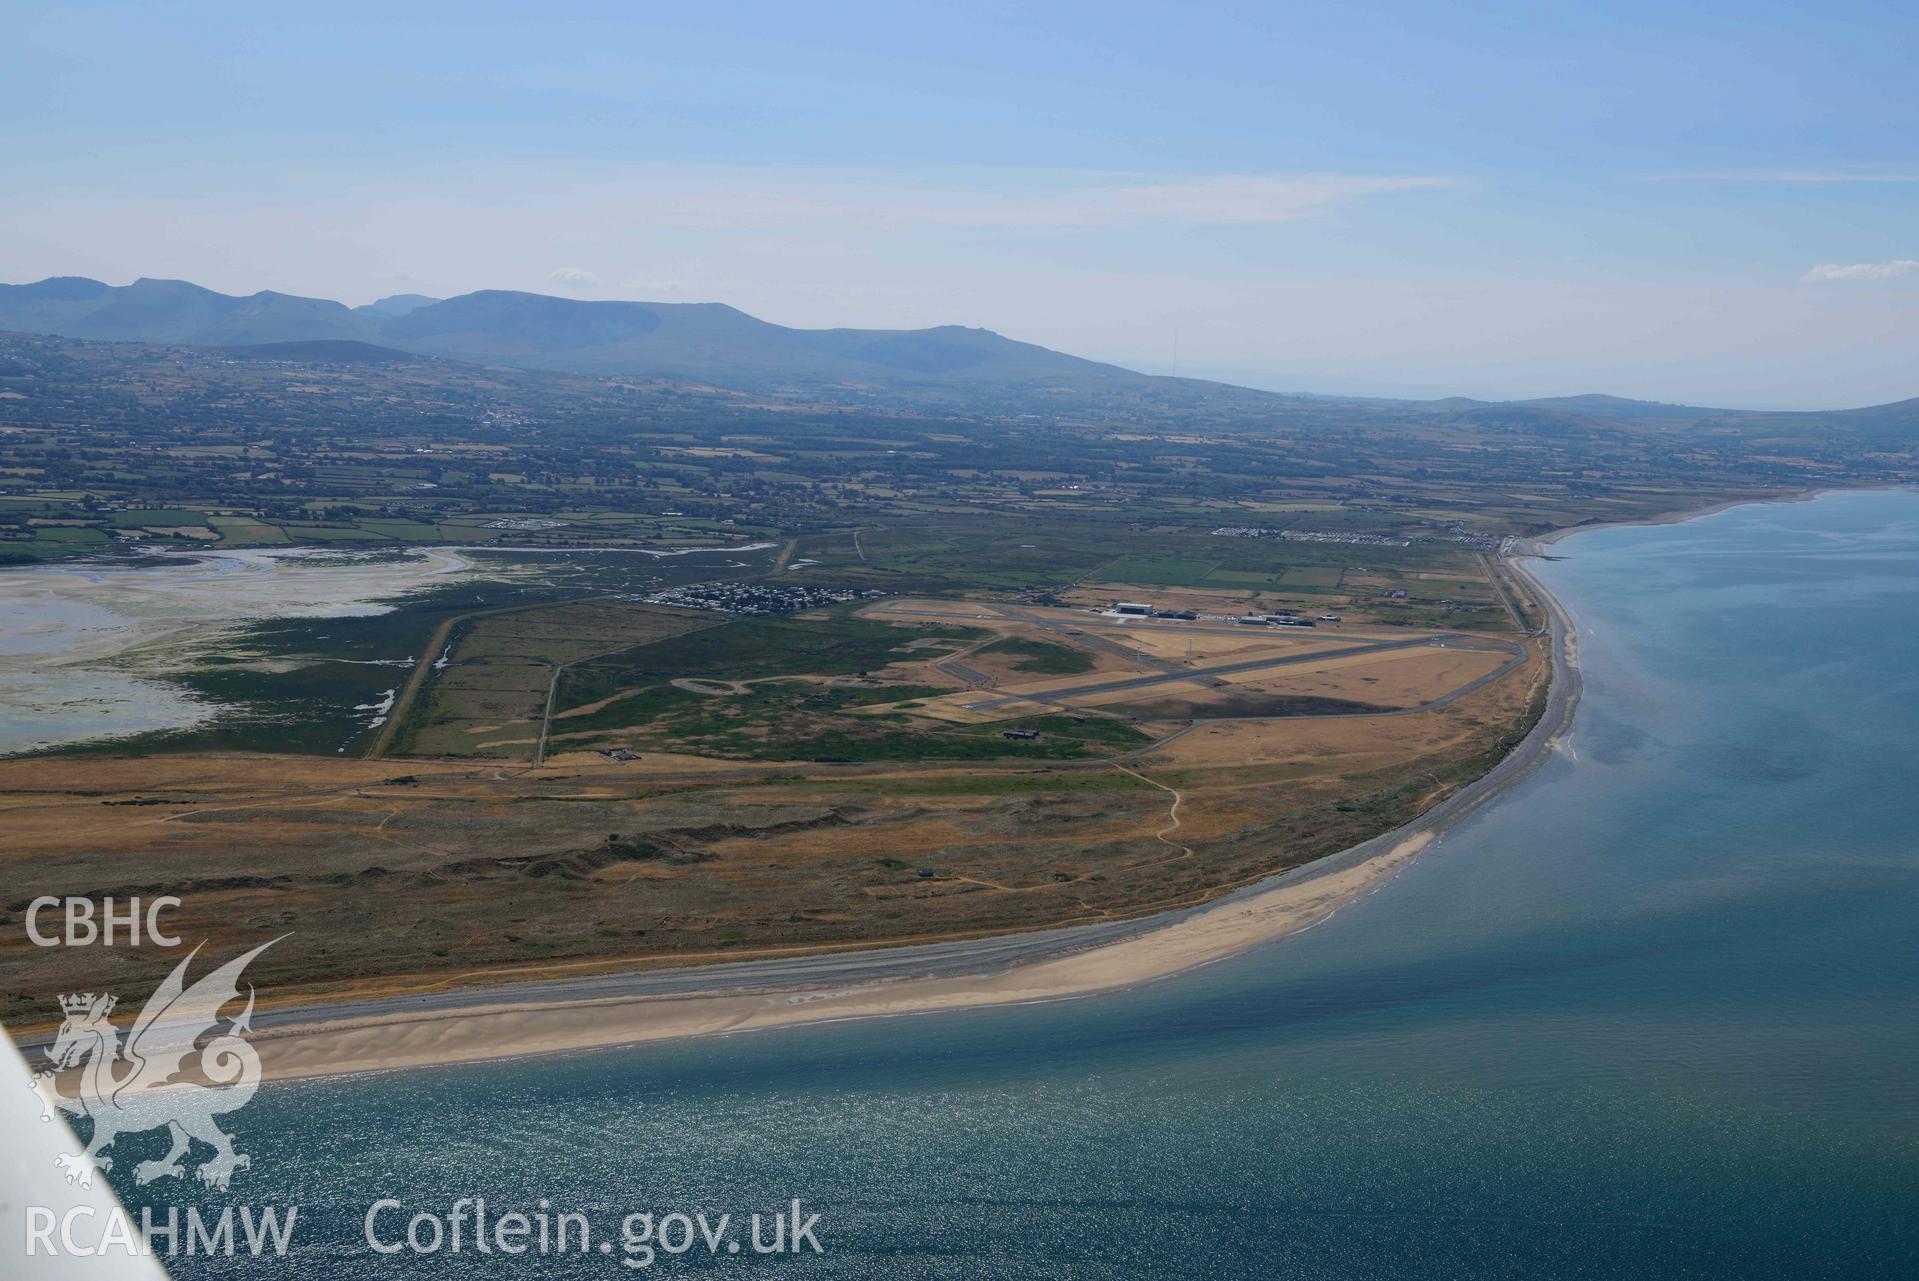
754	599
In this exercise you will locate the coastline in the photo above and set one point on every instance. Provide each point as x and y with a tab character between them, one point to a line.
512	1030
474	1025
1681	517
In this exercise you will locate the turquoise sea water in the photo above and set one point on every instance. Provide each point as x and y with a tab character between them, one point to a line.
1654	1014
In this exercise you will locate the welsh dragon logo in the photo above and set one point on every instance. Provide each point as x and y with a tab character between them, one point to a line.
147	1082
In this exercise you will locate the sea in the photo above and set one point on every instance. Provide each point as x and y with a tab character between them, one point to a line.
1653	1013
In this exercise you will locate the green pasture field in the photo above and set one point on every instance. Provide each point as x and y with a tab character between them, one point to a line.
1456	588
1156	571
1312	578
402	530
244	533
980	552
159	517
1042	658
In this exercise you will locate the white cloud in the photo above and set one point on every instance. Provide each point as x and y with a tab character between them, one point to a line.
1789	177
1831	271
1007	202
575	278
1214	201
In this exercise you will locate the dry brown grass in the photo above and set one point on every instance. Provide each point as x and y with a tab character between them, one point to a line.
1393	679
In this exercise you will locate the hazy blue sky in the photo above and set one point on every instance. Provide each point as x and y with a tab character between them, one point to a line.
1711	202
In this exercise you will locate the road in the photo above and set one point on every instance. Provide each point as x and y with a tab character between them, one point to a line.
960	671
1087	624
1499	590
1200	674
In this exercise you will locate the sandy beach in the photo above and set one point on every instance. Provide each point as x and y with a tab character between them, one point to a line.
509	1029
1671	518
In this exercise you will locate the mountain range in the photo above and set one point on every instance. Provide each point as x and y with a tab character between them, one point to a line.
714	345
706	343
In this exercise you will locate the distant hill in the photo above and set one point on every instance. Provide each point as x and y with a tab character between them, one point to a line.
396	305
1612	409
337	351
949	367
1620	410
706	343
171	311
1890	427
1899	411
721	345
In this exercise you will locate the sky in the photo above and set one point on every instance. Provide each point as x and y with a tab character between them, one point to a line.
1702	202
